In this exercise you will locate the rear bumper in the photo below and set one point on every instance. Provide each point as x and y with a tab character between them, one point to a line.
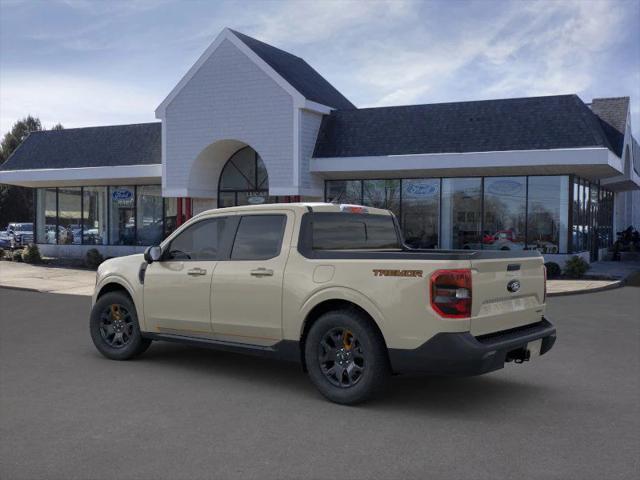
463	354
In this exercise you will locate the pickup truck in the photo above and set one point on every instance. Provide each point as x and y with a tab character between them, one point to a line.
17	235
332	287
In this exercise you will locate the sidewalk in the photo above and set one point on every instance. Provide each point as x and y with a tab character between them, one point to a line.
39	278
81	282
601	276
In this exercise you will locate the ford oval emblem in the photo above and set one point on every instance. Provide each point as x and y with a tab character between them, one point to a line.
513	286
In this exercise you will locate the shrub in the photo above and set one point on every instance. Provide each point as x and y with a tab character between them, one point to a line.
553	270
16	256
575	267
93	258
1	253
31	254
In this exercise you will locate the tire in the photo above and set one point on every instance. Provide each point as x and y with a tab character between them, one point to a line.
114	327
365	368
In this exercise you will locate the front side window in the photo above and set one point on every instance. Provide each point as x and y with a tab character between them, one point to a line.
200	241
259	237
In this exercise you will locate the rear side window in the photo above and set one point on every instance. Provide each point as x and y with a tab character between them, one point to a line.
348	231
200	241
259	237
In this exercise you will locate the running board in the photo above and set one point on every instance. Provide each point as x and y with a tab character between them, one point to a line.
288	350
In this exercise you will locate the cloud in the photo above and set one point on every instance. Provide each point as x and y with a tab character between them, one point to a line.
533	48
376	52
296	22
73	101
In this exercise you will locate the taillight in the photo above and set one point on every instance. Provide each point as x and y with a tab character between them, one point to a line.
544	297
451	293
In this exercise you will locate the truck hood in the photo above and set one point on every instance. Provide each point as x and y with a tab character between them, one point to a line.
118	263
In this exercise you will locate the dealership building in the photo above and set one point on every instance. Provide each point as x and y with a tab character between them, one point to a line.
250	123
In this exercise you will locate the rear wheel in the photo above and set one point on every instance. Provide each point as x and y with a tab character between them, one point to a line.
114	327
346	357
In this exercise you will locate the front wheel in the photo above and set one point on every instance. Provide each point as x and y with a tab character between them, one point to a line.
114	327
346	357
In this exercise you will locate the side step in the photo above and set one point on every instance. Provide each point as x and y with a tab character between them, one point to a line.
287	350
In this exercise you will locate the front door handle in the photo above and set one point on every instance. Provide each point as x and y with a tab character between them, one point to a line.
262	272
194	272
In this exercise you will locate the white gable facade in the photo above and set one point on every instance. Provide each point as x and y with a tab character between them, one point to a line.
231	99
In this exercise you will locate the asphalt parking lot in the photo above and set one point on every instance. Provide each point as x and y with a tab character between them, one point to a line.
179	412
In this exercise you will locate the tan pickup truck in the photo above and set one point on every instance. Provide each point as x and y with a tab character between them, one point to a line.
331	286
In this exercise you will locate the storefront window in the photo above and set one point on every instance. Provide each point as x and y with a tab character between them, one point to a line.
548	214
122	219
504	213
605	219
344	191
70	216
170	215
46	215
149	215
244	180
461	213
382	194
421	212
94	215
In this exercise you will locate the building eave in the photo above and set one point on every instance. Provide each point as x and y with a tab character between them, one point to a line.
590	162
84	176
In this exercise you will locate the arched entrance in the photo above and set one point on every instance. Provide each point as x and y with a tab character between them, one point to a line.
244	180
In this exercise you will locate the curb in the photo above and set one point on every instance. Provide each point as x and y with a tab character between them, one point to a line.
613	286
35	290
25	289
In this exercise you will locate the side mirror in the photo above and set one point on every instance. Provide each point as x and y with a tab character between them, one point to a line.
152	254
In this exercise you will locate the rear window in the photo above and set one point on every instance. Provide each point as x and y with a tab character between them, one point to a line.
350	231
259	237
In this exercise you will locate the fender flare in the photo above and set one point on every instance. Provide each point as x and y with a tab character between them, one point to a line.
341	293
117	279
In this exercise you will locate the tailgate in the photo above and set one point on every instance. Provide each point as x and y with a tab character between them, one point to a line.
507	293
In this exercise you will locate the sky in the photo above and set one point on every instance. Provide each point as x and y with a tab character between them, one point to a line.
86	63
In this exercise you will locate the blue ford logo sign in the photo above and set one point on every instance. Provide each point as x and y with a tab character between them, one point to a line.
255	200
122	194
422	189
513	286
505	187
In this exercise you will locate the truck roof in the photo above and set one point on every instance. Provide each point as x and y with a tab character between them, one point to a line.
305	206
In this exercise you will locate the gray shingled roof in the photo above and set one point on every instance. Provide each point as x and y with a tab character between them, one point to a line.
298	73
533	123
109	146
613	116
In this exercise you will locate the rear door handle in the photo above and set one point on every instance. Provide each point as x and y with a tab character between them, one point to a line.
262	272
194	272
